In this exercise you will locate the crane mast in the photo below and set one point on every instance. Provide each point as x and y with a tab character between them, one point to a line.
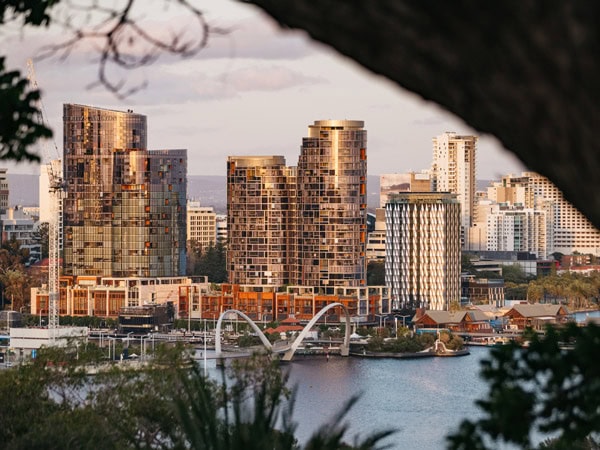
56	189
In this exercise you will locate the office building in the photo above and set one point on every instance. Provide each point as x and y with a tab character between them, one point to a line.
124	206
376	238
201	226
422	263
20	227
568	230
518	229
453	170
222	234
332	187
571	230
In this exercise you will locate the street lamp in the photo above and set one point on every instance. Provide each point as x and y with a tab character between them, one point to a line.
114	344
403	318
129	334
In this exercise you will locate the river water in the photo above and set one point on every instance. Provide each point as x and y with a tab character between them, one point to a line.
424	399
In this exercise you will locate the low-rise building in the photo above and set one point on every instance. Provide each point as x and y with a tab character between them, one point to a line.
18	226
106	297
482	291
536	315
472	321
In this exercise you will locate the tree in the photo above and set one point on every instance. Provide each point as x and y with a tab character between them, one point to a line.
541	388
15	285
64	408
42	236
213	263
514	274
376	273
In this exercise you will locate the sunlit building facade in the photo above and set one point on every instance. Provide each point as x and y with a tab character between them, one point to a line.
124	207
201	226
453	170
332	205
303	225
422	263
517	229
258	220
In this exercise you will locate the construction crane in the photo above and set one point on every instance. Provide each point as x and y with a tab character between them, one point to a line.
56	190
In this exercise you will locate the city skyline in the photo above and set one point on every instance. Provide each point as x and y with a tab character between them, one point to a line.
235	97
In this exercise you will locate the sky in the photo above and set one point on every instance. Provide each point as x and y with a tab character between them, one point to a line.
252	91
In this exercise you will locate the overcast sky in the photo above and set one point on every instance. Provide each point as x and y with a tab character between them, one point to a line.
252	91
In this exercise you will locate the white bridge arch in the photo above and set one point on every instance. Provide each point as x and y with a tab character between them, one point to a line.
344	349
260	334
289	353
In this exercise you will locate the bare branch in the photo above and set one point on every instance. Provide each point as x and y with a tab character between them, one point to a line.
120	40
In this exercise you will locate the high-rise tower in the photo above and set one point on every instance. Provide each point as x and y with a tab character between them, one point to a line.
259	221
331	204
453	170
124	206
422	249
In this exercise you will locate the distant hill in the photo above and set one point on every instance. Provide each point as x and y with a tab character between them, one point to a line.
210	190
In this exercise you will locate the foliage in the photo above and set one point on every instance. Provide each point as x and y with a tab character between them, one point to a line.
80	321
452	341
20	122
542	388
514	291
514	274
576	290
466	264
211	262
52	404
376	273
42	237
402	344
248	340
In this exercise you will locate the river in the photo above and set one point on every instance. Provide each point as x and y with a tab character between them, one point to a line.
424	399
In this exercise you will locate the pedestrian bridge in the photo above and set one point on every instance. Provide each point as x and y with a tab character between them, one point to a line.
287	351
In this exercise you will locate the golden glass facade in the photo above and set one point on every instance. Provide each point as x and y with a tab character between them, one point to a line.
124	206
303	225
331	186
258	219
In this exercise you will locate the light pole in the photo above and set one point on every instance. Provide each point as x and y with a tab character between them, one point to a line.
114	345
403	319
143	346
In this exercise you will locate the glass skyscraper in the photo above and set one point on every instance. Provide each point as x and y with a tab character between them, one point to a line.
303	225
332	205
124	206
